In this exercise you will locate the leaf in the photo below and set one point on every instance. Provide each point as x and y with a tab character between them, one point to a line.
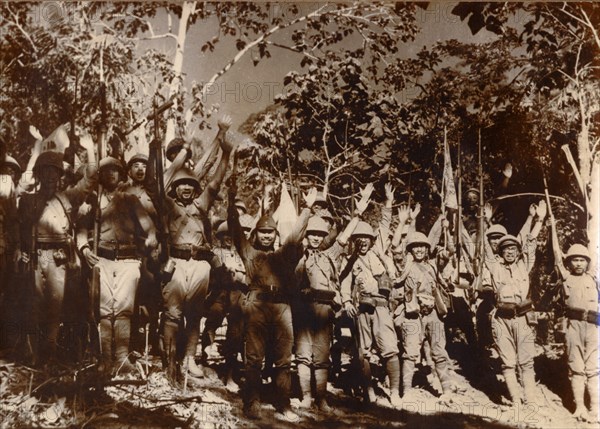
240	44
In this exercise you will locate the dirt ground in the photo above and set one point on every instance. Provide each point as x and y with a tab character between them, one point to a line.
72	398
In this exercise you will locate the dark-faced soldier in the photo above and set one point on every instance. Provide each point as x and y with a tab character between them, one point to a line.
123	221
47	241
266	307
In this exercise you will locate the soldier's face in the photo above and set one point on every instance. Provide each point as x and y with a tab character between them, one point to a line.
363	244
419	252
185	191
265	237
49	178
493	240
226	240
138	171
510	253
109	177
314	240
579	265
247	232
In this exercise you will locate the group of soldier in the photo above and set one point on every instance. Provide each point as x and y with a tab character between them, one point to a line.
285	296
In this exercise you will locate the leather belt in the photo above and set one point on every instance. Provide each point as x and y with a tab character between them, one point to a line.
198	254
117	253
510	311
52	245
589	316
266	288
274	297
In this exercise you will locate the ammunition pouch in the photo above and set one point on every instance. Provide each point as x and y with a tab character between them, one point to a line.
510	311
385	285
322	296
589	316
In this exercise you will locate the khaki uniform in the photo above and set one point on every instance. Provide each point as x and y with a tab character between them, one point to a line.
513	337
47	230
422	323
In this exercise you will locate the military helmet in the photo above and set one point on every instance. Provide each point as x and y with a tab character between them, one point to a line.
138	157
317	224
578	250
363	229
108	162
11	162
183	175
174	147
246	221
50	159
509	240
266	222
496	229
417	238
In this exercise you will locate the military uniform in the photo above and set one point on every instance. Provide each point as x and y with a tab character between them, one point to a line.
123	220
422	319
266	308
318	273
375	324
189	247
513	336
47	232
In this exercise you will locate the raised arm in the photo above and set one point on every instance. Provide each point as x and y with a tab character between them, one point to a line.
211	191
299	229
403	216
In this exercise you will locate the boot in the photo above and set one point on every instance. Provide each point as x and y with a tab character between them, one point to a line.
392	367
513	386
408	370
122	334
304	378
321	375
106	360
592	388
170	347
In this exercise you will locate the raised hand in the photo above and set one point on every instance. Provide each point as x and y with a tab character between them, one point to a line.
403	213
542	210
487	211
389	192
35	133
508	170
415	212
224	123
310	197
365	197
532	210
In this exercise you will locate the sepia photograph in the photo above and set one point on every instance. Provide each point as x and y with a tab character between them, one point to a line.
299	214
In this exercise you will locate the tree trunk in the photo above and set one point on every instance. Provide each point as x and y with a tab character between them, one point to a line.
593	229
186	10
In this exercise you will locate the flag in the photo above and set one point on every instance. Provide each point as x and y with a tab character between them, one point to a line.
286	214
448	187
58	141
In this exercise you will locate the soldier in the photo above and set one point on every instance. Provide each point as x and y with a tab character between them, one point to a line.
318	271
149	297
47	241
581	294
234	285
422	318
512	320
266	307
116	265
365	298
184	296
